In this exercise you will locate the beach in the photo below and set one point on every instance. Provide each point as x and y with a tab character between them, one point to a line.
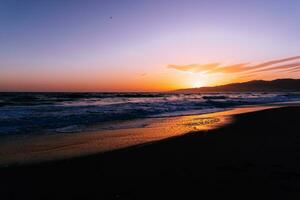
149	100
28	149
256	155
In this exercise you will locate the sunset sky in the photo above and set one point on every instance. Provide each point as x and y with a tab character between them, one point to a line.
145	45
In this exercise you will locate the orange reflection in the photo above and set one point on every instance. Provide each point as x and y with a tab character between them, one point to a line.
58	146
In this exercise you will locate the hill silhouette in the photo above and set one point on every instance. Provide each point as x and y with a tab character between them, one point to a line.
278	85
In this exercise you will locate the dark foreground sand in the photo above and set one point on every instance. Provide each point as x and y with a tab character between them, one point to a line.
258	156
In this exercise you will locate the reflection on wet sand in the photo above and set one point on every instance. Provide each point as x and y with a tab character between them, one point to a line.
124	134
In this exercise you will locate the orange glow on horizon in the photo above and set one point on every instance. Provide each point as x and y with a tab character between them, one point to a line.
158	79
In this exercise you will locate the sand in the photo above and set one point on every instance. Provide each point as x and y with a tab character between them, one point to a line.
26	149
256	156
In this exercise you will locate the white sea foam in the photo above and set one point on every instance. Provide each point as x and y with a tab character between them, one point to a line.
25	113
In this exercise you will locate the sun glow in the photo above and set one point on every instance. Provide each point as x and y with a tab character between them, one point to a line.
197	84
195	80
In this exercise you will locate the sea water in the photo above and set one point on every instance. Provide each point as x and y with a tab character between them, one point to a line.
40	113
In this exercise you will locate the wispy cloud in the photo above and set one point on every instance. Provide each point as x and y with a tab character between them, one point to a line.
231	68
293	70
195	67
280	67
292	63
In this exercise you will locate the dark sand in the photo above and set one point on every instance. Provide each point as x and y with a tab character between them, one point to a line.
257	156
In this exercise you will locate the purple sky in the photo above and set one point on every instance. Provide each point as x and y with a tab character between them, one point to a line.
122	45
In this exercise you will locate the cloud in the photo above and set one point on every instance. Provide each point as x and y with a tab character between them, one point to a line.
195	67
293	70
272	62
231	68
280	67
243	68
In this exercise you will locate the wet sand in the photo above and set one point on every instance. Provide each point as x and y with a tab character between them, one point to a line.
107	137
256	156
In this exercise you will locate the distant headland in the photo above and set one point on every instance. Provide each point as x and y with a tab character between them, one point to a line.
278	85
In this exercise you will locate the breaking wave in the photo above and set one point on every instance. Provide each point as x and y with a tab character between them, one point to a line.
27	113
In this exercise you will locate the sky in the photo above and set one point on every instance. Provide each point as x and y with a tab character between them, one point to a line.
145	45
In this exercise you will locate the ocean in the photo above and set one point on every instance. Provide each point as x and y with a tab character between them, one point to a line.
47	113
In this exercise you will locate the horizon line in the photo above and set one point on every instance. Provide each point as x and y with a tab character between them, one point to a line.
143	91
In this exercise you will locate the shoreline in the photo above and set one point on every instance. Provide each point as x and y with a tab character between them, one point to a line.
256	156
48	148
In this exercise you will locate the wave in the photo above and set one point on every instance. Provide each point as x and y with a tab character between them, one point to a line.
35	113
29	99
215	97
